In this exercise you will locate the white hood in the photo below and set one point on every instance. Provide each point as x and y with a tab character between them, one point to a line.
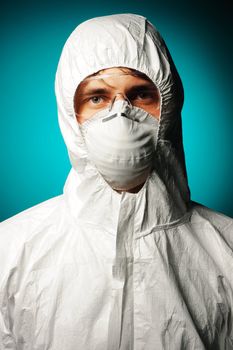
131	41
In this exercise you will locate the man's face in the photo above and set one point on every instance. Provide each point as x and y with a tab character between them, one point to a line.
94	95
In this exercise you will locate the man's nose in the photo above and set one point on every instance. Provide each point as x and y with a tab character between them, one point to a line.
120	96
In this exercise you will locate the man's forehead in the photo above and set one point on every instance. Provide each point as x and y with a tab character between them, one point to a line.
113	81
107	75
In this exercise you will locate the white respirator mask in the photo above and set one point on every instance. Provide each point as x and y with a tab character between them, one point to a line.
121	143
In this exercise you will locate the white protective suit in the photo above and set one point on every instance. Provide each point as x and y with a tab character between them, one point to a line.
93	269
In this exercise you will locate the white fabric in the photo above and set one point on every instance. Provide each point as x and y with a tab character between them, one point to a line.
94	269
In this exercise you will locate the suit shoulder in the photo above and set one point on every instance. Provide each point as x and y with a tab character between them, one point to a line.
33	215
26	225
221	223
220	220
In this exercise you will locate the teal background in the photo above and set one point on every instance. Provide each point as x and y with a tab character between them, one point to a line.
34	161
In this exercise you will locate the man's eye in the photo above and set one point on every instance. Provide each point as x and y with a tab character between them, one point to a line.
96	99
144	95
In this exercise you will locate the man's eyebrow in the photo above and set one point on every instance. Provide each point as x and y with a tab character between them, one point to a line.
98	91
143	87
93	91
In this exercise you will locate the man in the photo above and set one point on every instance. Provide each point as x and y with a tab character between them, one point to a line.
123	259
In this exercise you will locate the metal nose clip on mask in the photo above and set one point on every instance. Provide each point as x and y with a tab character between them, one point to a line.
121	142
117	113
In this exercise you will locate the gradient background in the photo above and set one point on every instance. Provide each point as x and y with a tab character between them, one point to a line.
34	161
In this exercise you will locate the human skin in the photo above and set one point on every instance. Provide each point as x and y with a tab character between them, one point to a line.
93	95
